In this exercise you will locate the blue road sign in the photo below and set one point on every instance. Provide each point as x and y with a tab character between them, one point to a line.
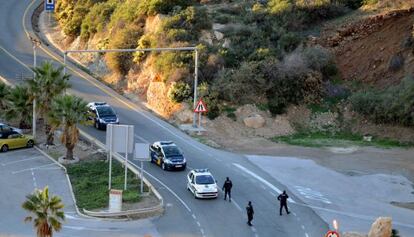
49	5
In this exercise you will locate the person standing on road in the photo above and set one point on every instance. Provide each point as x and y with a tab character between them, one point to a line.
283	202
250	212
227	188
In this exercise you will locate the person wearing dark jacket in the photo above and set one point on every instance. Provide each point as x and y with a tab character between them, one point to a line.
250	212
283	202
227	188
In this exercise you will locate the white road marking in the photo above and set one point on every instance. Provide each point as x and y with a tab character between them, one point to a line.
236	205
306	235
198	223
294	214
28	169
34	179
202	231
165	186
274	195
312	194
268	184
169	205
17	161
303	227
194	217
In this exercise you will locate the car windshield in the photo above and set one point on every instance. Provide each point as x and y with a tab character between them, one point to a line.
105	111
171	151
204	179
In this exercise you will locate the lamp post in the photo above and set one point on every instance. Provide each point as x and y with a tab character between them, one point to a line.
36	43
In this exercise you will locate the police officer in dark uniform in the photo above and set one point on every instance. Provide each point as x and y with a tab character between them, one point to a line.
283	202
250	212
227	188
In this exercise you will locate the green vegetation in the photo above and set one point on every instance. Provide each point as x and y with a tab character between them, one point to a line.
67	112
46	212
340	139
90	184
392	105
19	106
48	83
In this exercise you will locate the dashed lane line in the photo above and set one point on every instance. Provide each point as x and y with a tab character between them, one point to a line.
268	184
34	179
306	235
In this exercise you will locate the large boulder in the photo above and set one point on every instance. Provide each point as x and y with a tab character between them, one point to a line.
254	121
382	227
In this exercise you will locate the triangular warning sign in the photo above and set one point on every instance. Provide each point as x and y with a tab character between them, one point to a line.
201	107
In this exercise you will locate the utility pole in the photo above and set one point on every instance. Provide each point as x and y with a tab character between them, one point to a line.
36	43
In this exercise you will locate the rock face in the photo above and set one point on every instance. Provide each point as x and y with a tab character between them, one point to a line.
254	121
382	227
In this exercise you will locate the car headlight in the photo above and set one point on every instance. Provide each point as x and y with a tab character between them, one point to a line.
117	120
101	120
167	161
184	160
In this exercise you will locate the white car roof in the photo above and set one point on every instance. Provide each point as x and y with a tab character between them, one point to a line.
96	104
164	143
201	172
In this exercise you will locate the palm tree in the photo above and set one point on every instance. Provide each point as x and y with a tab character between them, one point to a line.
46	213
4	91
67	111
48	83
19	106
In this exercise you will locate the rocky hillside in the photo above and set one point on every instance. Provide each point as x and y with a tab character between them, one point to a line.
341	56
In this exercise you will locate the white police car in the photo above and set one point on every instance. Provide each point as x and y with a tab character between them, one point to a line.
202	184
102	114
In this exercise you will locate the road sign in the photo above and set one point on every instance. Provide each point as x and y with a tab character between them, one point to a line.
332	234
120	137
142	152
115	200
49	5
201	107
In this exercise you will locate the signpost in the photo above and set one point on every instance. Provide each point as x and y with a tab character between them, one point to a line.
332	233
142	153
119	138
200	108
49	5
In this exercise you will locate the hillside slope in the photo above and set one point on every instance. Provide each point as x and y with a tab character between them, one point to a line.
375	51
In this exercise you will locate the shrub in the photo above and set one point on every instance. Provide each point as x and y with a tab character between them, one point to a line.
289	41
98	16
391	105
179	92
146	41
279	6
73	25
126	38
153	7
167	62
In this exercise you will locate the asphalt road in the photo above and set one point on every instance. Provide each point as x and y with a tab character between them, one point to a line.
23	170
184	215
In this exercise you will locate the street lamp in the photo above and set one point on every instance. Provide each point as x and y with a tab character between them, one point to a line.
36	43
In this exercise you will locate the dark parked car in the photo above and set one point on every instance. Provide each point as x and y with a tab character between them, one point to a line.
167	155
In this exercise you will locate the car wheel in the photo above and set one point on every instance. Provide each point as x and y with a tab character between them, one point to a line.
30	143
4	148
163	166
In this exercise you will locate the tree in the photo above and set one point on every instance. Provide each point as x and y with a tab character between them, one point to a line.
67	111
45	212
19	106
48	83
4	91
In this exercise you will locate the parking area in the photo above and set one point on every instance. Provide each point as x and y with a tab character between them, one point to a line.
21	172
